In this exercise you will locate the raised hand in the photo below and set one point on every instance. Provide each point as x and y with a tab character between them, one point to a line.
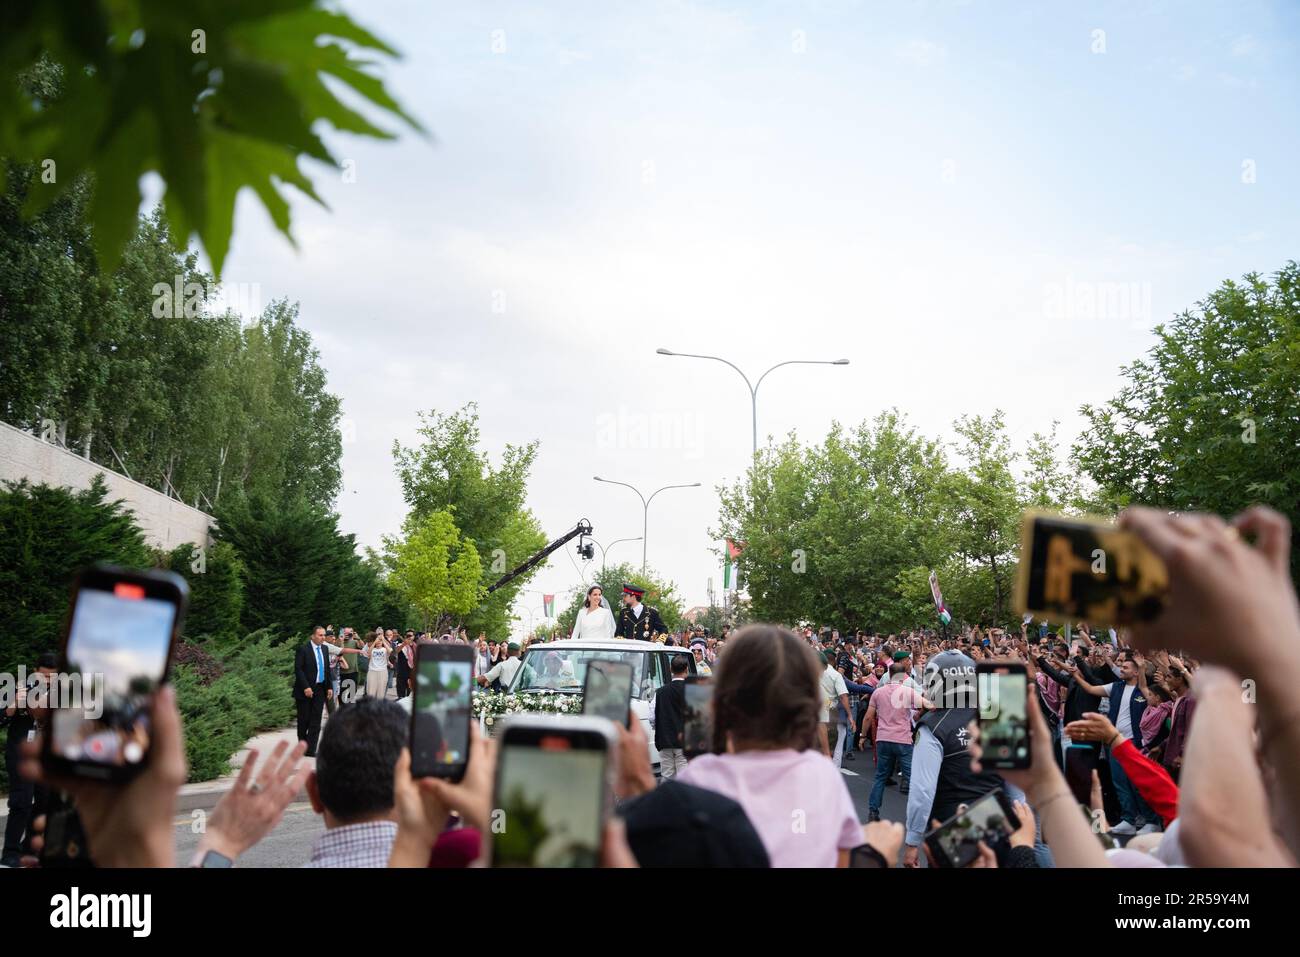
251	809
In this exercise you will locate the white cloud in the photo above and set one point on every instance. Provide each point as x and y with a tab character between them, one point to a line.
1244	46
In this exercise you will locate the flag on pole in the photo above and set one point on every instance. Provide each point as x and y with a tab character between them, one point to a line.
938	599
548	606
733	552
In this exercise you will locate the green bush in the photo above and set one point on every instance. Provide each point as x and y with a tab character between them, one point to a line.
267	666
216	588
230	685
216	725
253	692
47	534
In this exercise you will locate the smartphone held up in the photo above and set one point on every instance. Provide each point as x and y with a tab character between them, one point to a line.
1003	690
440	710
1086	569
607	690
697	733
117	650
553	791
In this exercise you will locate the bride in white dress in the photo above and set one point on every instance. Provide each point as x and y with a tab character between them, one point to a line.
595	621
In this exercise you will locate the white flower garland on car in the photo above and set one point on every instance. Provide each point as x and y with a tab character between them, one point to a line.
490	705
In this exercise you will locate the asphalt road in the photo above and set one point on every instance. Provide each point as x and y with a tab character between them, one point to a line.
288	845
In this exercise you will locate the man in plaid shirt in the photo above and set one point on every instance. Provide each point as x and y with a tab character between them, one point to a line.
352	786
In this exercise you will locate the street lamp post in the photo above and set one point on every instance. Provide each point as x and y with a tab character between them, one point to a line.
753	387
645	505
603	549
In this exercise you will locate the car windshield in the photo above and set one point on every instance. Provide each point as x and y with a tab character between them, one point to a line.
565	669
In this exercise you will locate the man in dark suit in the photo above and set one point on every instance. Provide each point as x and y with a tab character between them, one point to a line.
311	687
670	720
636	620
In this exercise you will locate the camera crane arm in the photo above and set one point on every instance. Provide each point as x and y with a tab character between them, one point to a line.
583	528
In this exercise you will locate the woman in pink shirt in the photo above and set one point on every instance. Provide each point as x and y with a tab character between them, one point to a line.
765	708
1159	709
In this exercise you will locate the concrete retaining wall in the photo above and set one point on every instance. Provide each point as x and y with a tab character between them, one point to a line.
165	521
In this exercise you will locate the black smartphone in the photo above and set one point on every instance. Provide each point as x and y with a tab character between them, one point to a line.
697	728
1003	688
440	710
607	690
991	819
553	791
1085	569
117	650
1080	762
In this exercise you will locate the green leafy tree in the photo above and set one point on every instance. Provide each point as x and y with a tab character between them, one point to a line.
192	404
827	528
448	471
845	532
1048	483
436	569
299	570
212	95
1208	421
985	507
714	618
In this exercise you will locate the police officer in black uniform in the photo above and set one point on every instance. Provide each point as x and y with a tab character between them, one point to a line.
942	779
636	620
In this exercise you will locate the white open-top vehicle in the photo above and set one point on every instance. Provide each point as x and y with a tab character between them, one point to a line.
561	666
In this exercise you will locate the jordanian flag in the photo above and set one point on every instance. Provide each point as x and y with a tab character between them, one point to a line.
548	606
733	553
938	599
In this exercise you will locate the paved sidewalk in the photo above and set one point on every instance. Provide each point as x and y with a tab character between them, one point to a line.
205	794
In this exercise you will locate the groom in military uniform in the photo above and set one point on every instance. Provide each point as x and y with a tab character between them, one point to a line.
636	620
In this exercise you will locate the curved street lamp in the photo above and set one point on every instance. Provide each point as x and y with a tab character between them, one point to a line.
603	549
753	388
645	504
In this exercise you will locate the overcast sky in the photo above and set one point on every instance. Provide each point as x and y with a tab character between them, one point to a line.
935	191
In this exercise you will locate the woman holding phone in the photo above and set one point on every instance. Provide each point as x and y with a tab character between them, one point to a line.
377	653
595	621
766	705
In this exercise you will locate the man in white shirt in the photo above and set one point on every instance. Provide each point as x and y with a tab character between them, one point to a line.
834	690
504	671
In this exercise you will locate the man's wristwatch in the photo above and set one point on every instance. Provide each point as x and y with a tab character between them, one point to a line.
211	858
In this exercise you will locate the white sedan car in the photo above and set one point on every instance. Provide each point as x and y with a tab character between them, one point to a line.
562	666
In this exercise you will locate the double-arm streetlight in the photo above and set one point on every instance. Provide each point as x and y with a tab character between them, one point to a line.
753	387
603	549
645	505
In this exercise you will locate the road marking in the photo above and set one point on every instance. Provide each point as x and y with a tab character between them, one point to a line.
852	774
